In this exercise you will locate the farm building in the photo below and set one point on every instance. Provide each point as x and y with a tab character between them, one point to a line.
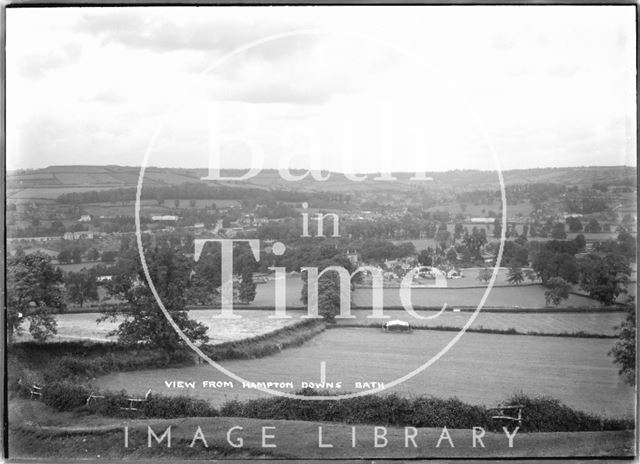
454	274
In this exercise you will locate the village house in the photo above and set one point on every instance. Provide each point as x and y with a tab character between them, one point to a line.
82	234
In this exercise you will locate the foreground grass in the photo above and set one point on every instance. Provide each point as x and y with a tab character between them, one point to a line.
298	440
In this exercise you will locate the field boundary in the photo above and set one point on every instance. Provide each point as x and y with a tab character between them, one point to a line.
488	309
510	331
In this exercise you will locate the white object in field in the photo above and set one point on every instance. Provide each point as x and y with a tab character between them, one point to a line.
396	325
456	310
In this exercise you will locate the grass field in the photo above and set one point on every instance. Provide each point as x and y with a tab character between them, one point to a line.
479	369
254	322
92	437
75	267
500	296
549	323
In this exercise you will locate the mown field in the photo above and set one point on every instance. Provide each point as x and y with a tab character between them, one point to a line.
254	322
479	369
523	296
549	323
73	326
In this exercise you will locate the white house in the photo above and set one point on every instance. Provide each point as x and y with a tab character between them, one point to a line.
483	220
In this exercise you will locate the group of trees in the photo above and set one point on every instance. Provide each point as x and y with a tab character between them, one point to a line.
604	276
142	321
34	293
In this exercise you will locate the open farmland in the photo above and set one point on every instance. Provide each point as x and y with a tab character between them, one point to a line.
479	369
600	323
73	326
523	296
255	322
530	296
151	207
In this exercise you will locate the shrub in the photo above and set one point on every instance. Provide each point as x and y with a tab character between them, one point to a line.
177	406
544	414
64	396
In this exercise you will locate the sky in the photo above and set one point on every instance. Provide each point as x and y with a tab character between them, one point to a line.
346	89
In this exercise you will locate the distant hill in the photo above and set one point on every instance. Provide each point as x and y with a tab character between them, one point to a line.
53	181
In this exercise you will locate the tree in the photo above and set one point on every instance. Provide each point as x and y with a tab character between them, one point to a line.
192	203
580	241
176	203
65	257
484	275
329	298
76	255
93	254
474	243
624	351
144	322
515	275
424	258
457	231
604	278
452	255
329	288
575	225
557	290
442	238
108	256
247	291
531	275
558	232
550	263
497	229
34	291
593	226
81	286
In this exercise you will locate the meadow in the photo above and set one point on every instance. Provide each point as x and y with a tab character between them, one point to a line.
479	369
74	326
509	296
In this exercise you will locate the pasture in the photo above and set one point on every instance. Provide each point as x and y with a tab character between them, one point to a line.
255	322
76	267
479	369
74	326
524	296
601	323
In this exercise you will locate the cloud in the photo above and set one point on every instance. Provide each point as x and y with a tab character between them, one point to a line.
37	64
198	29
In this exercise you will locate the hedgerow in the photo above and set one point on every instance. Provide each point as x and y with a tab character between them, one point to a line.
266	344
540	414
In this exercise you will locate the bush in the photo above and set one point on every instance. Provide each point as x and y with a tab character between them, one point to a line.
177	406
266	344
544	414
64	396
540	414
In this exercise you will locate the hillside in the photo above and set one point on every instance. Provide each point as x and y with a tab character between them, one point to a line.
53	181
